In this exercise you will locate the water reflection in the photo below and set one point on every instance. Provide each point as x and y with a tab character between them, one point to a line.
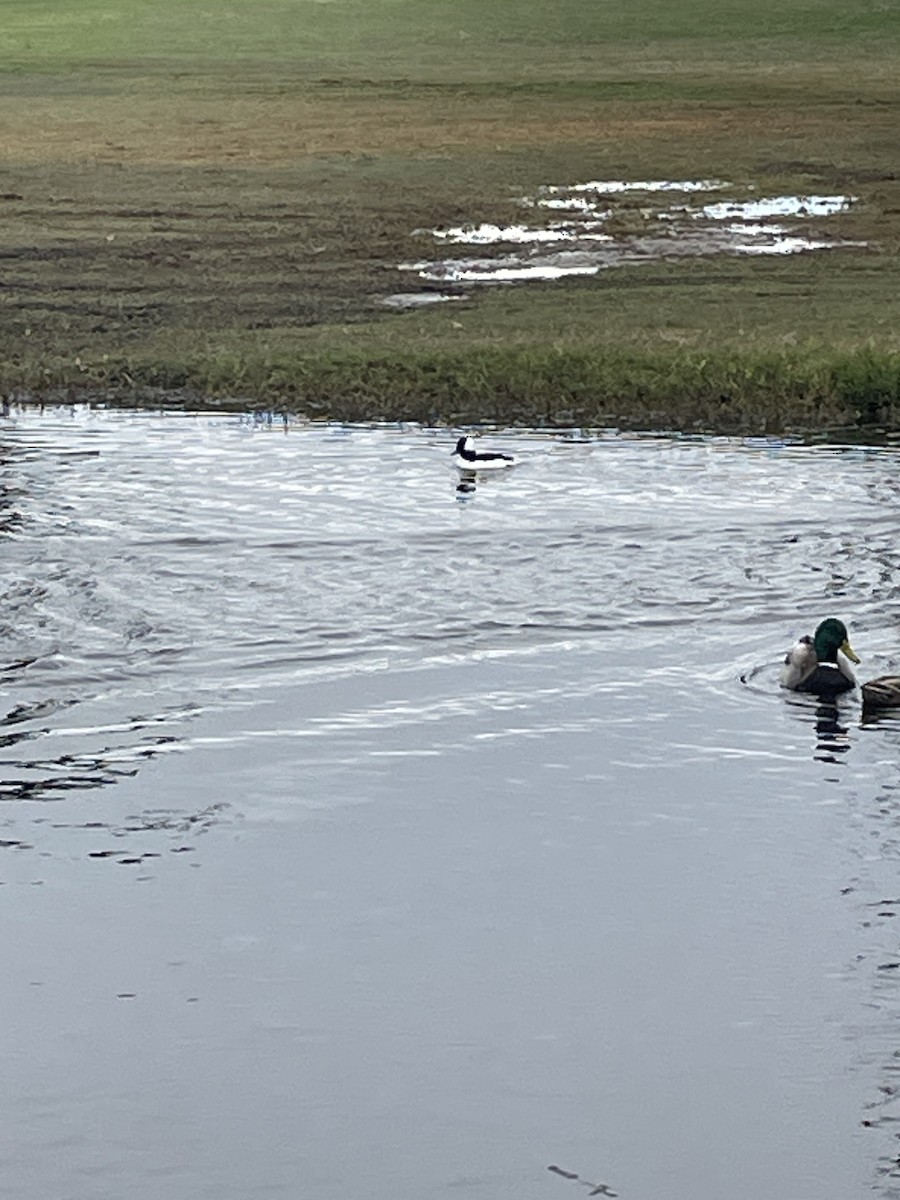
266	418
10	514
11	491
466	485
833	737
69	772
175	828
595	1189
833	722
471	779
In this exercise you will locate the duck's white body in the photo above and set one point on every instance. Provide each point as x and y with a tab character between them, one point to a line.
466	458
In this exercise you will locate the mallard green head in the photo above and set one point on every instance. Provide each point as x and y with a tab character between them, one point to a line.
830	637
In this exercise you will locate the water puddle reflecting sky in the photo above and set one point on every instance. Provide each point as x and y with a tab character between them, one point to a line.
663	219
360	835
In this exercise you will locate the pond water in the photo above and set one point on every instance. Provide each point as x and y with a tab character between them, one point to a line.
364	836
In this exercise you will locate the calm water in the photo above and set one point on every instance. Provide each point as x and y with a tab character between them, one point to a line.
362	837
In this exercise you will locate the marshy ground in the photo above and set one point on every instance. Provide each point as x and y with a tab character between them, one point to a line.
222	202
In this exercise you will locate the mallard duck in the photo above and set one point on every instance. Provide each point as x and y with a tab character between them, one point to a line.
466	458
821	664
883	692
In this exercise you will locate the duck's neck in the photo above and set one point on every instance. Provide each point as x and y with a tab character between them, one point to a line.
827	650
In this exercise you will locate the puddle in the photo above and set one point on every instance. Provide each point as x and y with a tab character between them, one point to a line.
419	299
585	242
777	206
487	235
610	187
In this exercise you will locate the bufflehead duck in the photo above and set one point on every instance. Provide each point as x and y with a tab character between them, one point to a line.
466	458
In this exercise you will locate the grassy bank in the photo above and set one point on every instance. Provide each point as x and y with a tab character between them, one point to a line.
724	392
221	199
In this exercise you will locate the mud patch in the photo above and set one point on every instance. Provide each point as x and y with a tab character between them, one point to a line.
617	223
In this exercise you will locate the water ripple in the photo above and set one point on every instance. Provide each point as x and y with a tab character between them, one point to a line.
558	698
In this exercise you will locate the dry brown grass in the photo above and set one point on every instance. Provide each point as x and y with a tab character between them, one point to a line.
254	118
168	131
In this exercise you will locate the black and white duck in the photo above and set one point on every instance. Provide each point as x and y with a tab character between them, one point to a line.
467	458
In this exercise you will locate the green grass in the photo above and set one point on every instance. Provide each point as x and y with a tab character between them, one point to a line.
458	39
739	392
217	196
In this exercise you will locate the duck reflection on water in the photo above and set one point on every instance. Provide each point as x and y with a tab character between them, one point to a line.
11	490
466	487
833	738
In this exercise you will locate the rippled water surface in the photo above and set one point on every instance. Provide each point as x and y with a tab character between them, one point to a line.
365	836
